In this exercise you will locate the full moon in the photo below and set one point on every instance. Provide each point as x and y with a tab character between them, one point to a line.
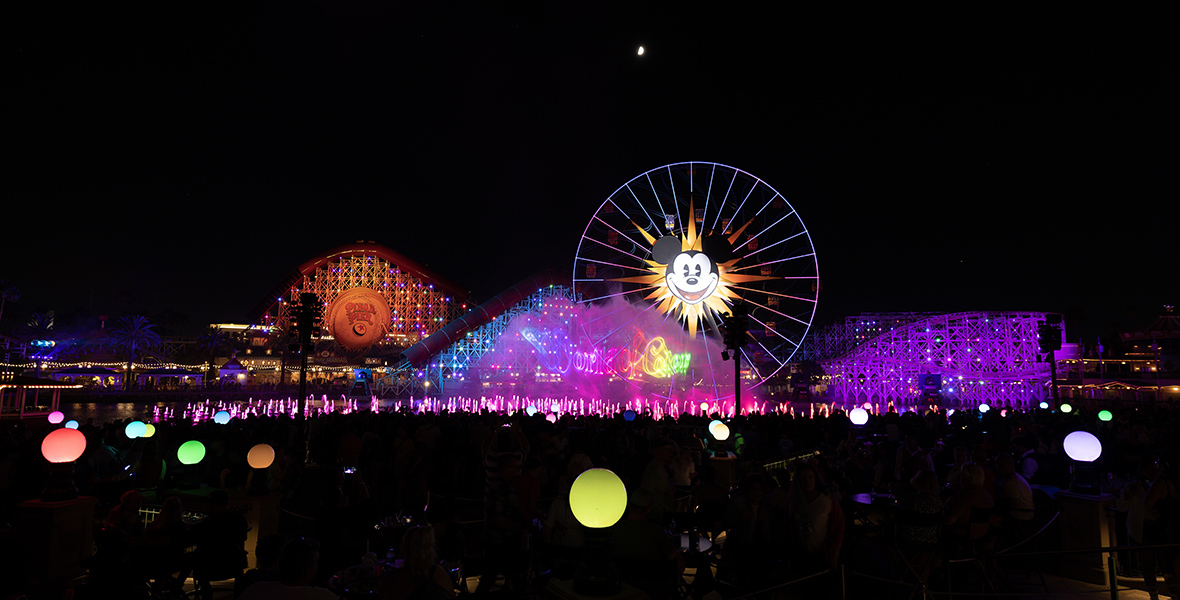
641	51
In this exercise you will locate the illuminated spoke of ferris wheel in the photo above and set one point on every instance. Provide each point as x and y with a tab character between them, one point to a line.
606	245
722	203
708	193
770	354
776	195
768	228
758	291
779	313
775	331
656	195
641	207
675	202
633	242
771	262
603	262
751	363
743	203
768	247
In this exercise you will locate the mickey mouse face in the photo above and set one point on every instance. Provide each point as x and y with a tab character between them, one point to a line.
692	276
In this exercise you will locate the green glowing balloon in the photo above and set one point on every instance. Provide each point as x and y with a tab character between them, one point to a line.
191	452
598	498
1105	415
1065	408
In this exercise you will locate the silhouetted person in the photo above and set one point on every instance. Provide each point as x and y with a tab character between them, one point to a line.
298	564
221	540
267	553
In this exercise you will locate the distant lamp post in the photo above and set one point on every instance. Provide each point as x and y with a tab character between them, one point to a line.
61	448
1084	448
598	500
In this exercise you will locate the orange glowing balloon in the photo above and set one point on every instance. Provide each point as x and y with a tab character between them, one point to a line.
261	456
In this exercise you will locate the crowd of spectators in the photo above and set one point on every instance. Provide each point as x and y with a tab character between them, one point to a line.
491	492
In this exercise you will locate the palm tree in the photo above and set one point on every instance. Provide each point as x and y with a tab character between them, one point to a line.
8	292
134	335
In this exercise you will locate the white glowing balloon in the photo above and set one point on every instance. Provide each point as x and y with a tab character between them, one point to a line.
641	51
1082	446
984	408
858	416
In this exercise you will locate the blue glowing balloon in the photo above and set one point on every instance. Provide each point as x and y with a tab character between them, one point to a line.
71	424
221	417
531	410
628	415
135	429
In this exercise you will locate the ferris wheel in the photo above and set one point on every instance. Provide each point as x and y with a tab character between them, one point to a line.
688	242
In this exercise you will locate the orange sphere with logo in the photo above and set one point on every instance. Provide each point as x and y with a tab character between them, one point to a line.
358	318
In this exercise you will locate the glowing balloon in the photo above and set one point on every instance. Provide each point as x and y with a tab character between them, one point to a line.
149	430
721	432
63	445
1044	405
555	408
56	417
858	416
531	410
190	452
1082	446
984	407
71	424
135	429
221	417
598	498
628	415
1105	415
1065	408
260	456
712	424
704	406
552	418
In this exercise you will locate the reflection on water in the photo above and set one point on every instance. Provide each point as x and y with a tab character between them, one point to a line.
103	413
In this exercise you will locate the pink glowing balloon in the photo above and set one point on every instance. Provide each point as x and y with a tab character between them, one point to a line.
56	417
63	445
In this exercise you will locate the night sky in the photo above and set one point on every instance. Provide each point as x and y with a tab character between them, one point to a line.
178	159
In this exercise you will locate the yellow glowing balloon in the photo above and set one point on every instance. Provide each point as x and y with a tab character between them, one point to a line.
598	498
260	456
721	432
149	430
